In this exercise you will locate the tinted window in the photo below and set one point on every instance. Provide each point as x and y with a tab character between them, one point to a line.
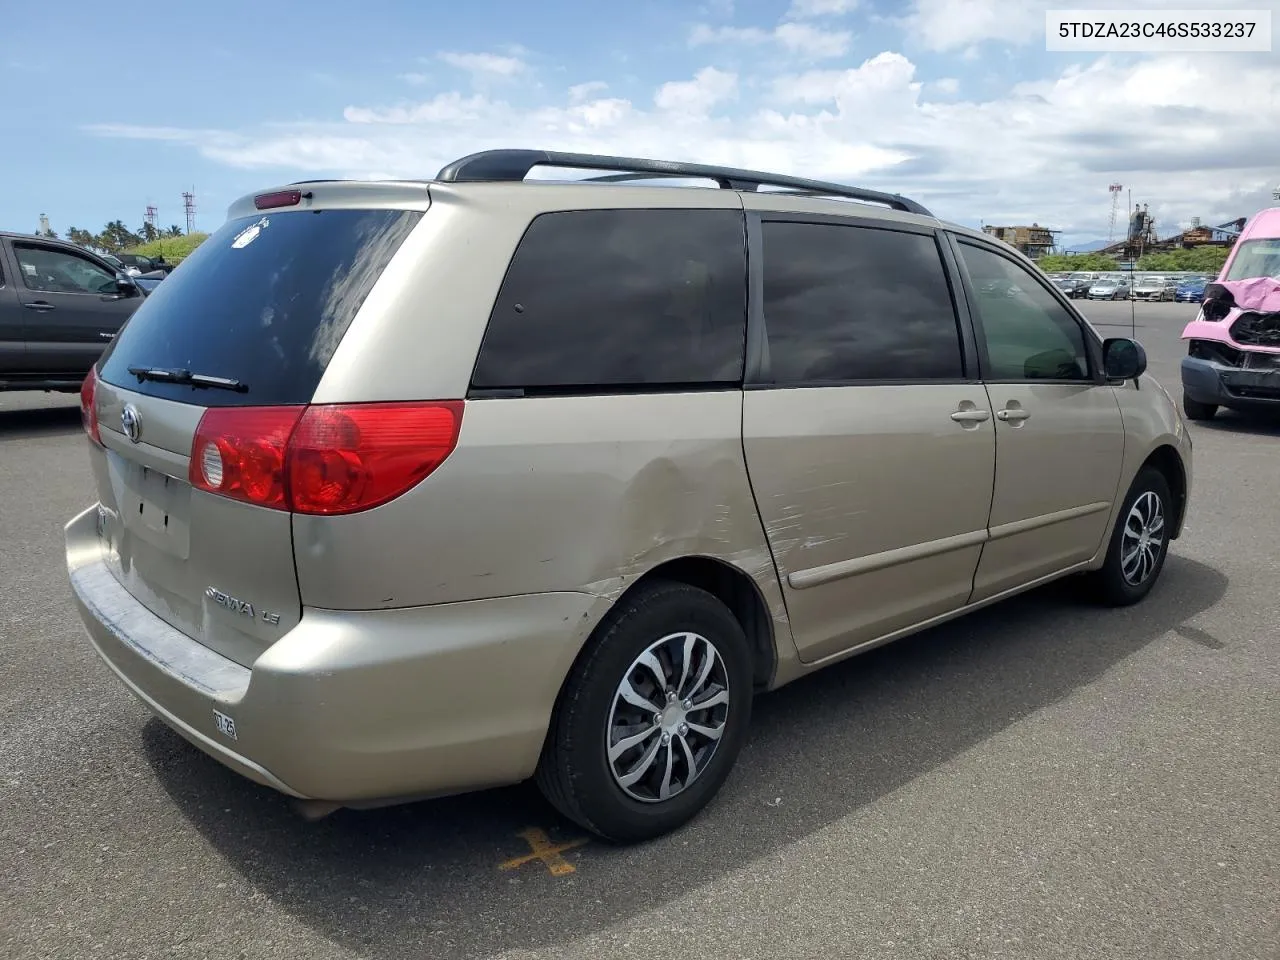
265	300
1029	334
854	303
602	298
49	270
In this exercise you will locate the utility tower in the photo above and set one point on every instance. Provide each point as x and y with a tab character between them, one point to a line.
152	216
189	205
1114	189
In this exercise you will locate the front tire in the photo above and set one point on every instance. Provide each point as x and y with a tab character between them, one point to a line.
1139	542
1195	410
652	717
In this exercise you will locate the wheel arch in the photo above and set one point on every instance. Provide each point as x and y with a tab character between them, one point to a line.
1166	459
738	591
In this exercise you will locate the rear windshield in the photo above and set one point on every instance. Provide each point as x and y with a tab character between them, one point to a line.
265	301
1255	258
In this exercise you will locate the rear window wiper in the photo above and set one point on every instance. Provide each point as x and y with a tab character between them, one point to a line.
186	377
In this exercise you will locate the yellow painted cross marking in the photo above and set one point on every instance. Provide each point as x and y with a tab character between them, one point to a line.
544	850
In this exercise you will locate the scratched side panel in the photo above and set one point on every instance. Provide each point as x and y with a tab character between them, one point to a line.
553	494
875	503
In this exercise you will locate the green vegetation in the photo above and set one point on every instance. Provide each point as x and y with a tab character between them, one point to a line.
1195	260
1068	262
173	249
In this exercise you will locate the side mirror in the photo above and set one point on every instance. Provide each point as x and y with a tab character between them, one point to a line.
1123	359
125	285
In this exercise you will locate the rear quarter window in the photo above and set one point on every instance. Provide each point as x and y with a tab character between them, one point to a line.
602	300
265	300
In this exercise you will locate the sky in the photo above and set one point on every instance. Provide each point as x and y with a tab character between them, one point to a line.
955	103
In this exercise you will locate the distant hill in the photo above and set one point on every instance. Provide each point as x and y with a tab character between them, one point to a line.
1089	246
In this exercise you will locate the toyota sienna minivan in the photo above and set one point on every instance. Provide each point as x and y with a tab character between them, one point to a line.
406	489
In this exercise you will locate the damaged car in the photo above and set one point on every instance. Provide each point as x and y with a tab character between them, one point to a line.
1233	349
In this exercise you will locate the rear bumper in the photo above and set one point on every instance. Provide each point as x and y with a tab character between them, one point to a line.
1209	382
350	707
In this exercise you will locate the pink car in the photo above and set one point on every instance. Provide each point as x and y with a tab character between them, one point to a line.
1233	344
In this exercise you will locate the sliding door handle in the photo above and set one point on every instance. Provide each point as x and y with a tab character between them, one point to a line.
1012	415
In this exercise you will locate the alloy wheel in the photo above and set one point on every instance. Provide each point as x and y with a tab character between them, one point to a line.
1143	538
668	715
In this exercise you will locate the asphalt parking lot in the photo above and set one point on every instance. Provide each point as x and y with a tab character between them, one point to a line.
1039	780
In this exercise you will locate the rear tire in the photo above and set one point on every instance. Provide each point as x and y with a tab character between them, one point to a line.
678	745
1139	542
1195	410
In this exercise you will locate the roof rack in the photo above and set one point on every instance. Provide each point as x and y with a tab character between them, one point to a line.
512	166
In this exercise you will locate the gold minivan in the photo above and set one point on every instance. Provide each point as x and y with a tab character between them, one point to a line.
407	489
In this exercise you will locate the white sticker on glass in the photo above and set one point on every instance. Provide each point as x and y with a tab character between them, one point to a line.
249	234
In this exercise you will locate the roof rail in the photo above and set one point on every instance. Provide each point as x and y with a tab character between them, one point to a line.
512	166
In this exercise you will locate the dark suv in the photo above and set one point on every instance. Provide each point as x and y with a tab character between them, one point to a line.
60	306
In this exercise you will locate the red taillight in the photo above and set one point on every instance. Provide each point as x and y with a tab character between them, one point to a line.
88	406
345	458
239	452
281	198
325	459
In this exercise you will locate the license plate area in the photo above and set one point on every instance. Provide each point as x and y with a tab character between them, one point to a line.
156	508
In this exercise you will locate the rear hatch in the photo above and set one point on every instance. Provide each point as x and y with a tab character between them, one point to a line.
241	332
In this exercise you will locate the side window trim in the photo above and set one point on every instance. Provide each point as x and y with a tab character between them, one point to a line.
1093	348
758	374
755	370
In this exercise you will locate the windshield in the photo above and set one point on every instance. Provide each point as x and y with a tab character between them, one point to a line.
264	301
1256	258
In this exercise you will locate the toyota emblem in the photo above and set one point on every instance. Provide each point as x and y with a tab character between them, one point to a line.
131	422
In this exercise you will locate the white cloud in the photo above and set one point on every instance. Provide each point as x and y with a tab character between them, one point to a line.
886	81
708	87
583	91
955	24
801	40
485	63
948	85
803	9
415	79
445	108
1191	135
812	43
703	34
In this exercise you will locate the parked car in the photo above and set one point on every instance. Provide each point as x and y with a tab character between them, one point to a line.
1233	344
60	306
1109	288
1083	282
1191	289
147	282
437	528
1074	287
146	265
1153	288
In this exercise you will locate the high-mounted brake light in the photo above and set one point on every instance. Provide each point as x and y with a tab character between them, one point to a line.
89	406
327	459
281	198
